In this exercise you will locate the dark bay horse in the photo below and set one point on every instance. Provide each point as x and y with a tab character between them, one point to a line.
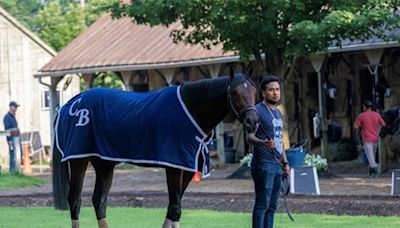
392	120
106	127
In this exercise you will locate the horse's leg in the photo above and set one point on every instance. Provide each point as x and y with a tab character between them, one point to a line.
104	175
77	170
177	181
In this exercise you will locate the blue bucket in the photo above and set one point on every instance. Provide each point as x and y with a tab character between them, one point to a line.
295	156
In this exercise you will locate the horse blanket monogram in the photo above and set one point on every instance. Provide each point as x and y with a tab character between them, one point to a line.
153	128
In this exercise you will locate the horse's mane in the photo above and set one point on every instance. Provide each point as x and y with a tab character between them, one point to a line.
211	88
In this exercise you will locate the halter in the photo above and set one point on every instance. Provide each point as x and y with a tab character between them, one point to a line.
237	114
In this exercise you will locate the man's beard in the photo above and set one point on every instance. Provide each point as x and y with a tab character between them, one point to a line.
272	102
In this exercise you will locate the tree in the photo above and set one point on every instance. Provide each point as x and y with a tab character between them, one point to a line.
57	26
24	11
280	29
62	21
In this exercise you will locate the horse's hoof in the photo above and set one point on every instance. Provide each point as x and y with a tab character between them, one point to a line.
170	224
175	225
102	223
75	223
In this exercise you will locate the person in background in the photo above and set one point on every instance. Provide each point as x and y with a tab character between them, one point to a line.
11	124
269	162
369	121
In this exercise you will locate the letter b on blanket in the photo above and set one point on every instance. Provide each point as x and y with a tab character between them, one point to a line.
82	113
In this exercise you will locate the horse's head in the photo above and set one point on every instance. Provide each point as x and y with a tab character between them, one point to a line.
392	120
241	101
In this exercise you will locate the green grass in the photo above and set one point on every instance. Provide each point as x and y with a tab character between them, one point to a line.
39	217
9	181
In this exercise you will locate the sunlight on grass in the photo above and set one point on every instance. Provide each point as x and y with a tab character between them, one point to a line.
9	181
121	217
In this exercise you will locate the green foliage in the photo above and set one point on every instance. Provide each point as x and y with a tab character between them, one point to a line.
104	79
282	29
96	8
61	23
24	11
11	181
58	26
57	22
316	160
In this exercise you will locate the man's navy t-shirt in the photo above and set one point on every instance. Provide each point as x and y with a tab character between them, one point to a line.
271	127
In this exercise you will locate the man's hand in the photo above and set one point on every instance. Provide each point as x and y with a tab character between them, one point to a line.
286	170
269	143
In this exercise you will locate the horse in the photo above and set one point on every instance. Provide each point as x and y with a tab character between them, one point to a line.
392	120
96	126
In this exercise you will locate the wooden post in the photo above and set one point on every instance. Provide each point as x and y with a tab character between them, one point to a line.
59	170
374	56
125	77
317	62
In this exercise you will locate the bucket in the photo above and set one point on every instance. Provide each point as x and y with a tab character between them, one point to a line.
295	157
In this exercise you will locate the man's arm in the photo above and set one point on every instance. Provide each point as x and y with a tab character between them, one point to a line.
7	122
253	139
286	165
382	122
357	123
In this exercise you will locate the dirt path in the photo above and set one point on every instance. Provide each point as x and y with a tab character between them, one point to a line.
145	187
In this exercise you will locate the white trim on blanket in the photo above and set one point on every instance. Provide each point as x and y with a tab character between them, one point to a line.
134	161
56	132
178	93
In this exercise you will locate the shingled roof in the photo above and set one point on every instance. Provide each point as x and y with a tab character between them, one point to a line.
119	44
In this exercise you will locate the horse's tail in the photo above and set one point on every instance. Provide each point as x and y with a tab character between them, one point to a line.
60	174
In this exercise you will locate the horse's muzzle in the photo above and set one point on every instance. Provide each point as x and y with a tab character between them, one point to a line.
251	122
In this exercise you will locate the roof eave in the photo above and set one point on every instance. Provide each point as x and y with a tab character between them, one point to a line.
364	46
133	67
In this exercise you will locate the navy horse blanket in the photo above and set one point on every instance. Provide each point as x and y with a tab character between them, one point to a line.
153	129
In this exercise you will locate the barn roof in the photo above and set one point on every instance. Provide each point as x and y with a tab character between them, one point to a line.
120	45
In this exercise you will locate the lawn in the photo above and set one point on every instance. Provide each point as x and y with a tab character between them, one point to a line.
33	217
11	181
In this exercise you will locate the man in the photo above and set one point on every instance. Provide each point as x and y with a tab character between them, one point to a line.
369	121
10	123
269	153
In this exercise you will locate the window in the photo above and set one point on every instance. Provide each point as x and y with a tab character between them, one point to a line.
46	99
